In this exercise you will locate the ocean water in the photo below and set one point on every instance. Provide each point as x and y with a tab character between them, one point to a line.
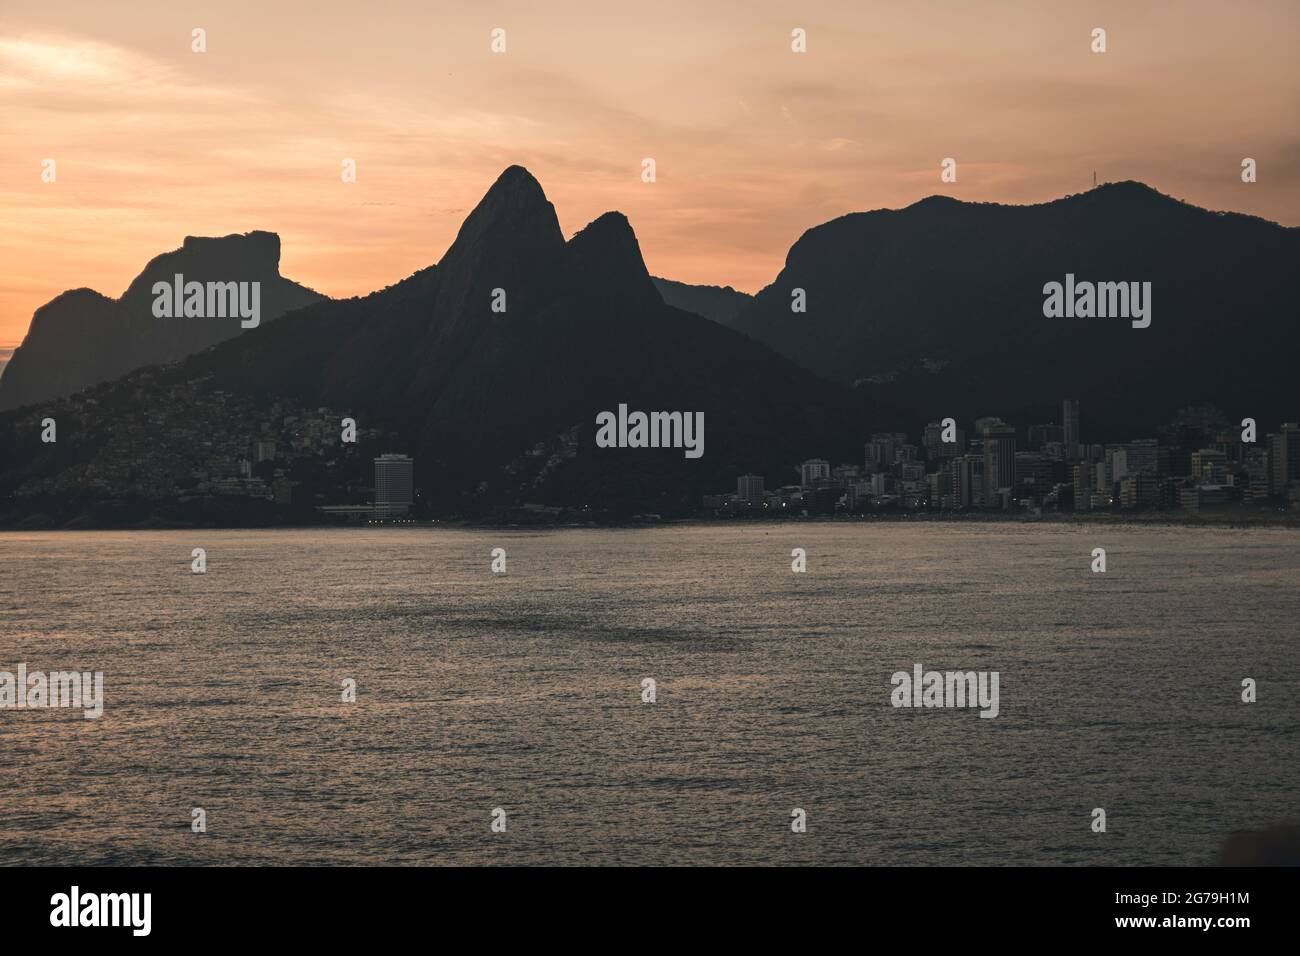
523	691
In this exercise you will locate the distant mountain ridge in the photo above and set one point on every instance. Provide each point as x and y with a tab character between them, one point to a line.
83	337
720	304
936	309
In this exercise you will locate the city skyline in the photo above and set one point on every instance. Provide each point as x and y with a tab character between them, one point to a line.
1208	465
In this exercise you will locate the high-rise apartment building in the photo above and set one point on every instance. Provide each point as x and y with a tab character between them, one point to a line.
812	471
1284	457
937	449
394	480
1070	419
999	461
750	488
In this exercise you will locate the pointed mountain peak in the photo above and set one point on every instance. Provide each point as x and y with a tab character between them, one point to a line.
511	241
609	227
516	177
607	252
516	194
513	219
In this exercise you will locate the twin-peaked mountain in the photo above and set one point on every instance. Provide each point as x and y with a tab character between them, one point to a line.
467	388
81	338
937	309
583	329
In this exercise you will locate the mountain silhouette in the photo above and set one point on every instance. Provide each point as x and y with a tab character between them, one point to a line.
510	346
583	330
514	338
936	310
81	338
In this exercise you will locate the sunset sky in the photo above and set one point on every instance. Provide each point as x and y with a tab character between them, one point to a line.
753	143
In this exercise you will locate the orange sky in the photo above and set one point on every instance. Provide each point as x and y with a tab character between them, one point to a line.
753	143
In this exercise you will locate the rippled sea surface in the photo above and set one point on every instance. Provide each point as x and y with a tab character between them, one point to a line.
523	691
